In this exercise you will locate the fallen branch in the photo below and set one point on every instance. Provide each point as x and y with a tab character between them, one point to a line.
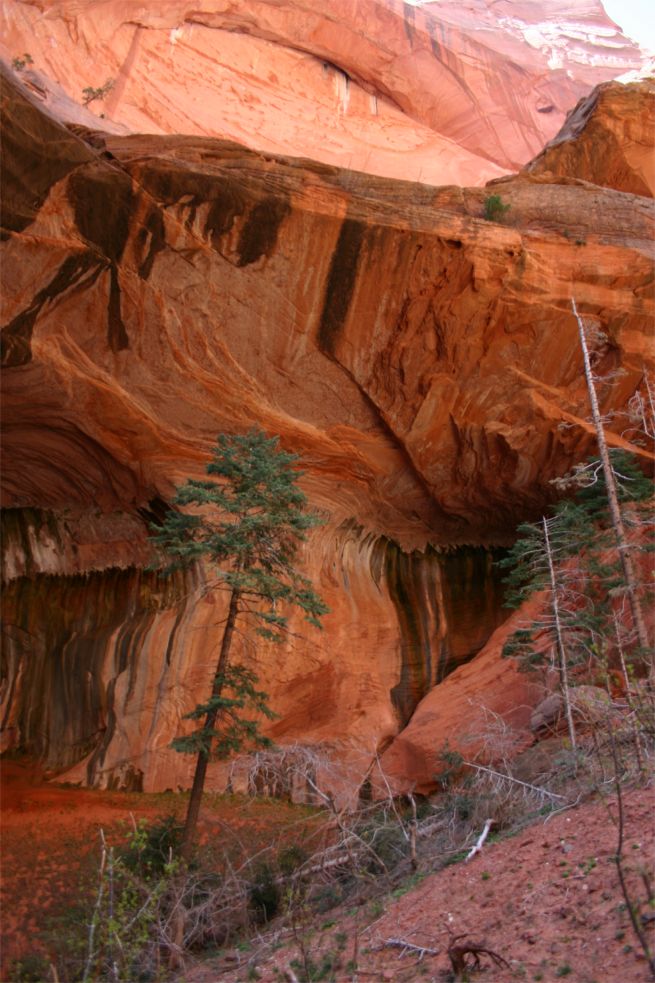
480	842
517	781
408	947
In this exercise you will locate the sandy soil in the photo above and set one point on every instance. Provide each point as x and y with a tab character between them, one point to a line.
547	900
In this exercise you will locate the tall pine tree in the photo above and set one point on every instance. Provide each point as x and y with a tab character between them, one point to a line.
246	525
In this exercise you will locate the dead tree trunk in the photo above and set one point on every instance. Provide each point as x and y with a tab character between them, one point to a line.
612	497
559	634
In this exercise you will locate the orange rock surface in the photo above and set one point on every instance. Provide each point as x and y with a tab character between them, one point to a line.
419	357
480	711
608	139
443	93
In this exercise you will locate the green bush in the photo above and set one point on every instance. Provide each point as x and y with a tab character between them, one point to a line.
495	208
291	858
32	968
152	848
264	893
90	94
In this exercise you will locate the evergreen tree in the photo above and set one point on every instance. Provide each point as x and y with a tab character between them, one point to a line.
246	527
573	557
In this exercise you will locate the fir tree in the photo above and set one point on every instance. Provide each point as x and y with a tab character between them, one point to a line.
246	526
572	556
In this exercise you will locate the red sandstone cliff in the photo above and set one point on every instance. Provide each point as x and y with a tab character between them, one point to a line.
419	357
443	93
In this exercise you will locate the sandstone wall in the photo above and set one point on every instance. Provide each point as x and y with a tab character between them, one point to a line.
422	359
445	93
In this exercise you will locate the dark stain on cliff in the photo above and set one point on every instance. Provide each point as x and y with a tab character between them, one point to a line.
341	283
259	232
29	135
116	334
102	201
413	589
447	607
16	336
227	200
224	209
151	237
442	51
225	197
409	21
67	635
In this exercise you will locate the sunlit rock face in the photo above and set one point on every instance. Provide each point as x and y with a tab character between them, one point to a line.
608	139
420	358
444	93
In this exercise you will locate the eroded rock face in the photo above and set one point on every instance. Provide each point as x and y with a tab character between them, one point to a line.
101	666
607	139
420	358
481	711
443	93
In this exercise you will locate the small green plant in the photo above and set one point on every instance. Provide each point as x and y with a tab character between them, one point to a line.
485	875
563	970
31	968
90	94
291	858
495	208
152	848
264	893
309	970
20	63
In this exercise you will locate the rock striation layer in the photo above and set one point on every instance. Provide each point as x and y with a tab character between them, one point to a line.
442	92
421	358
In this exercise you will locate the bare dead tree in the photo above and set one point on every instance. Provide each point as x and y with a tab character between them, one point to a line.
559	635
625	553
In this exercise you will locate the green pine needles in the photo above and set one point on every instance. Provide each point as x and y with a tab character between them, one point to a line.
246	524
572	555
235	732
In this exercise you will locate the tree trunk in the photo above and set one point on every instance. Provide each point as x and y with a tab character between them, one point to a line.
195	798
561	651
612	497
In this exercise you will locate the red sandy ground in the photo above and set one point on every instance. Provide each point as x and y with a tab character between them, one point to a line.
51	842
547	900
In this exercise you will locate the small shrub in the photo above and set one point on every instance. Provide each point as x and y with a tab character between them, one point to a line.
152	848
495	208
31	968
20	63
90	94
264	893
291	858
326	897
